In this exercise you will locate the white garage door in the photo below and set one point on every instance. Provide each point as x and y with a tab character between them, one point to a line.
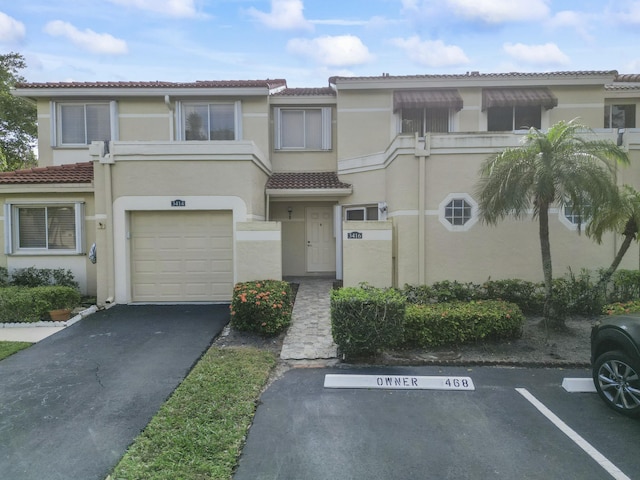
182	256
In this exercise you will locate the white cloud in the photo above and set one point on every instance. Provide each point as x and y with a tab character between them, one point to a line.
338	51
11	30
172	8
578	21
101	43
284	15
540	55
431	53
630	13
500	11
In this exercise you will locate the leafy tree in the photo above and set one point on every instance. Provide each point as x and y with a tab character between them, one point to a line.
621	216
558	167
18	129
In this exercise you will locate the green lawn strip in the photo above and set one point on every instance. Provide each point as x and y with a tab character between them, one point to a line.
199	432
9	348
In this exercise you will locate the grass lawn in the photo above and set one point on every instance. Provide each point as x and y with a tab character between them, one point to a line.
9	348
199	432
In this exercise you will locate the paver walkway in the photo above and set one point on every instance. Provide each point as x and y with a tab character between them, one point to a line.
309	336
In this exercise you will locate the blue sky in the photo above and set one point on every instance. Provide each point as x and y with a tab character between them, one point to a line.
307	41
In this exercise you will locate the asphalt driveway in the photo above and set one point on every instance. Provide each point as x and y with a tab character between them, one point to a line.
71	404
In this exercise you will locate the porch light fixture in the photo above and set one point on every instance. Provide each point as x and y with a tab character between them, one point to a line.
289	211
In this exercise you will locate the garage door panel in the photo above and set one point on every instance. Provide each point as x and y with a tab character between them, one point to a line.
181	256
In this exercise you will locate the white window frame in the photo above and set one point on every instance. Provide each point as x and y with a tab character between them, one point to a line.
325	123
380	206
56	122
609	118
180	118
11	231
442	212
569	222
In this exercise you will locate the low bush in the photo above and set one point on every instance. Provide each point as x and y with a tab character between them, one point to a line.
456	323
40	277
366	320
621	308
4	277
262	307
27	305
529	296
624	286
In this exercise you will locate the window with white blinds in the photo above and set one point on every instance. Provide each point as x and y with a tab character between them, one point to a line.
303	128
44	228
82	123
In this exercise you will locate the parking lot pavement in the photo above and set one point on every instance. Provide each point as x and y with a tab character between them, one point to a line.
304	430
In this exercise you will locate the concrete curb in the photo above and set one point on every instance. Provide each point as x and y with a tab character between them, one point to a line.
67	323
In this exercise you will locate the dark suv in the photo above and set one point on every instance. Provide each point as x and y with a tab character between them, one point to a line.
615	359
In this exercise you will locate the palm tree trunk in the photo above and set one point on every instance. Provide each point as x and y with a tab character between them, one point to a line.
626	243
545	251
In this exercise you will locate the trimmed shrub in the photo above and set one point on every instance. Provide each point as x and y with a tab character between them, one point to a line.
456	323
439	292
40	277
366	320
21	304
4	277
262	307
529	296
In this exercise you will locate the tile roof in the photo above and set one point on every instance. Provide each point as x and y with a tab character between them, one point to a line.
386	76
628	77
71	173
305	92
305	180
273	83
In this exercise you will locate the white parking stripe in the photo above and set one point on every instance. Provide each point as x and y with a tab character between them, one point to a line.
614	471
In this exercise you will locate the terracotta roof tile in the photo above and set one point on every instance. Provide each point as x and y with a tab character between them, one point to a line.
305	92
71	173
274	83
628	77
332	80
305	180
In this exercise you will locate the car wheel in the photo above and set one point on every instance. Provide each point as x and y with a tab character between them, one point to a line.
617	380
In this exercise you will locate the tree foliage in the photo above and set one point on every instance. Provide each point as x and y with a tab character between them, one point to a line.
562	166
18	129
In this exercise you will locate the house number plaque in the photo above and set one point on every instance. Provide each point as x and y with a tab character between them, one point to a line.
354	235
178	203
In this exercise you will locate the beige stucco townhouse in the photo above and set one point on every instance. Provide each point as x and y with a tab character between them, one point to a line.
187	188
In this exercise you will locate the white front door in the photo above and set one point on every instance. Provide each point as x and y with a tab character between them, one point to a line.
321	245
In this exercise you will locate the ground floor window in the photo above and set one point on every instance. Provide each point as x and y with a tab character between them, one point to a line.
458	212
42	228
365	212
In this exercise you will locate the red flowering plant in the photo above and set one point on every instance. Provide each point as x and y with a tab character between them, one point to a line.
262	306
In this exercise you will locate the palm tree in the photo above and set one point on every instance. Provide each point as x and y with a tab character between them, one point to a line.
559	167
622	217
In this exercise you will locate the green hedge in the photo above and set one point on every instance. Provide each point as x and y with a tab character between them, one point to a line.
262	306
27	305
458	322
366	320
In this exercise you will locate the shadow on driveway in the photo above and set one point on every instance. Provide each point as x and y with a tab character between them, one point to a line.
72	404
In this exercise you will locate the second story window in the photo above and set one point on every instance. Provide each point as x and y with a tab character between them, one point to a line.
302	128
423	120
619	116
208	121
511	109
428	110
513	118
82	123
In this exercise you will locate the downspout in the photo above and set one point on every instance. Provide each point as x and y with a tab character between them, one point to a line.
422	154
109	207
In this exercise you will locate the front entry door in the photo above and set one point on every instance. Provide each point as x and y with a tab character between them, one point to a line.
321	246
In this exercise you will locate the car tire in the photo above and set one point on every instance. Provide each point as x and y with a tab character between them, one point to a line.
617	380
